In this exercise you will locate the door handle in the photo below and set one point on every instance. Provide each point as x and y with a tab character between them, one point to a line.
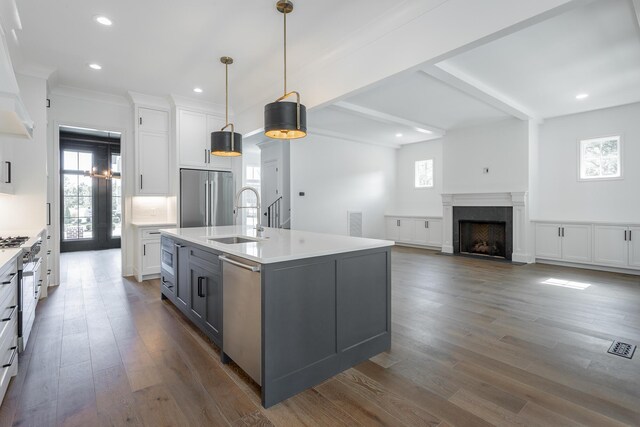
397	223
141	181
8	179
13	356
13	310
559	232
562	231
48	213
629	235
144	250
625	235
200	287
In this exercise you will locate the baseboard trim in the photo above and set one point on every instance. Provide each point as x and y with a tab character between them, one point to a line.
409	245
589	266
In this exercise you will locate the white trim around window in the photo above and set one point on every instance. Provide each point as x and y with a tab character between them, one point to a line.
598	159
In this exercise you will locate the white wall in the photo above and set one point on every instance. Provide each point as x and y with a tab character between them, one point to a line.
104	112
26	209
559	194
418	201
501	146
339	176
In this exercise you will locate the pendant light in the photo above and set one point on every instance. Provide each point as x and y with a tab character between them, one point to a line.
285	120
225	143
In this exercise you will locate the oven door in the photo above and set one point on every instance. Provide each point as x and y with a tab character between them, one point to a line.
168	257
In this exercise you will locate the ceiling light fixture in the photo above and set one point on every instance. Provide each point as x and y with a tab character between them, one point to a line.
103	20
285	120
225	143
398	135
197	90
95	66
582	96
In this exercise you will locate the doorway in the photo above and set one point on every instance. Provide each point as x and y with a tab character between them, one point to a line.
90	190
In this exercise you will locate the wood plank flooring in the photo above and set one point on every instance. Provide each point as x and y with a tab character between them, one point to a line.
475	343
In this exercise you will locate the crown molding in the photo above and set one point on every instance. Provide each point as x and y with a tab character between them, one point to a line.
90	95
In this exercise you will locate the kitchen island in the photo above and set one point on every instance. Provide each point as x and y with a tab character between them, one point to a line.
291	308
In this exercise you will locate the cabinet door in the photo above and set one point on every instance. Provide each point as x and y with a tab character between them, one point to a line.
634	247
197	281
407	230
192	146
435	233
155	121
576	242
548	241
153	164
217	162
610	246
6	168
213	295
393	229
421	231
150	257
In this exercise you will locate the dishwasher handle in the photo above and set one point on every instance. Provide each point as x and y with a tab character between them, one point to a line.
254	268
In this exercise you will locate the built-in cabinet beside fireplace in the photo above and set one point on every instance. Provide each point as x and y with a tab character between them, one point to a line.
595	244
414	230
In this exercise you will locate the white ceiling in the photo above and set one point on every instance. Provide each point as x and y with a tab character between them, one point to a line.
170	47
592	49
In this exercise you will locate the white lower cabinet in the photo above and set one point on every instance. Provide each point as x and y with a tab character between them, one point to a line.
634	247
608	245
415	230
149	250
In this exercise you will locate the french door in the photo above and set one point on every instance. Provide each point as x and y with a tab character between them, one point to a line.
90	193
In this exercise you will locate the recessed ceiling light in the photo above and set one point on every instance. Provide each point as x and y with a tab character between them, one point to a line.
197	90
103	20
398	135
95	66
582	95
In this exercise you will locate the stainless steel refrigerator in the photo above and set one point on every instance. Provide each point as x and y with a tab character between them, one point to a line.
206	198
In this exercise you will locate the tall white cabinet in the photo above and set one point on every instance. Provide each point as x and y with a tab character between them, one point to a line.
194	140
152	152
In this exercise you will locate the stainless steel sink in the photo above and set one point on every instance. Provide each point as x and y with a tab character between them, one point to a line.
232	240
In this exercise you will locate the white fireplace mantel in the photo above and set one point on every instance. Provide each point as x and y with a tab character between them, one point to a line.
518	200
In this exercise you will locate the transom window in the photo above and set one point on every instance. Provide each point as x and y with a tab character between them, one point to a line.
424	174
600	158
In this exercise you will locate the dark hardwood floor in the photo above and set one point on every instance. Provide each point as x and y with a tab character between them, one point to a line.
475	343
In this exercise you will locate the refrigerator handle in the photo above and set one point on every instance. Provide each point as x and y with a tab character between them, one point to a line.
211	199
206	203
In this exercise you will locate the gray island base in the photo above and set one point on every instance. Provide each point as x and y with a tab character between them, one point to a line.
289	324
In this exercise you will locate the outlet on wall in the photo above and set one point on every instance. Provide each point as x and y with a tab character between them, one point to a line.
485	170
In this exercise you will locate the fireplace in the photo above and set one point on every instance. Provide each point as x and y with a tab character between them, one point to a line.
486	238
484	231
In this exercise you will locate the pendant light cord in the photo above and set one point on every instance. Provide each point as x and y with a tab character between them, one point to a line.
285	52
226	100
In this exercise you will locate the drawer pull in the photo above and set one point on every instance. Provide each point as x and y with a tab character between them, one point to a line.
12	275
154	232
13	356
13	310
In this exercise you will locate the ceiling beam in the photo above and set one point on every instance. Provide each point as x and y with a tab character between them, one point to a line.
338	135
477	89
635	4
429	130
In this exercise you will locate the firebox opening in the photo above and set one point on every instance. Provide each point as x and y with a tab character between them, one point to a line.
485	238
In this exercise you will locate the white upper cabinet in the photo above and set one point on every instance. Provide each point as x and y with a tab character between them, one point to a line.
152	152
194	141
193	149
6	168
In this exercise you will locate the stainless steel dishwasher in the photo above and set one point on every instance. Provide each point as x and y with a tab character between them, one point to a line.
242	314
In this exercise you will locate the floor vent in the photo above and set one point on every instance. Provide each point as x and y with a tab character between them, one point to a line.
622	349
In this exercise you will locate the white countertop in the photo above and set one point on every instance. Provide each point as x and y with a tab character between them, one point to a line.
6	255
276	244
153	224
33	234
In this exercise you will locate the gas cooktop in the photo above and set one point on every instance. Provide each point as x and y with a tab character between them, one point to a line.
12	242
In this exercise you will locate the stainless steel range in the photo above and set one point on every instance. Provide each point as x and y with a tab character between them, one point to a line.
29	282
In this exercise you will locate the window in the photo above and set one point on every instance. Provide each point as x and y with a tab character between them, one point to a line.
78	195
252	179
600	158
424	174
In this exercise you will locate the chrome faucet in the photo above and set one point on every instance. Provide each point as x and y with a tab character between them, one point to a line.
259	227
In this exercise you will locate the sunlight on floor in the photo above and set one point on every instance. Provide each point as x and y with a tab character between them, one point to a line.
566	283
